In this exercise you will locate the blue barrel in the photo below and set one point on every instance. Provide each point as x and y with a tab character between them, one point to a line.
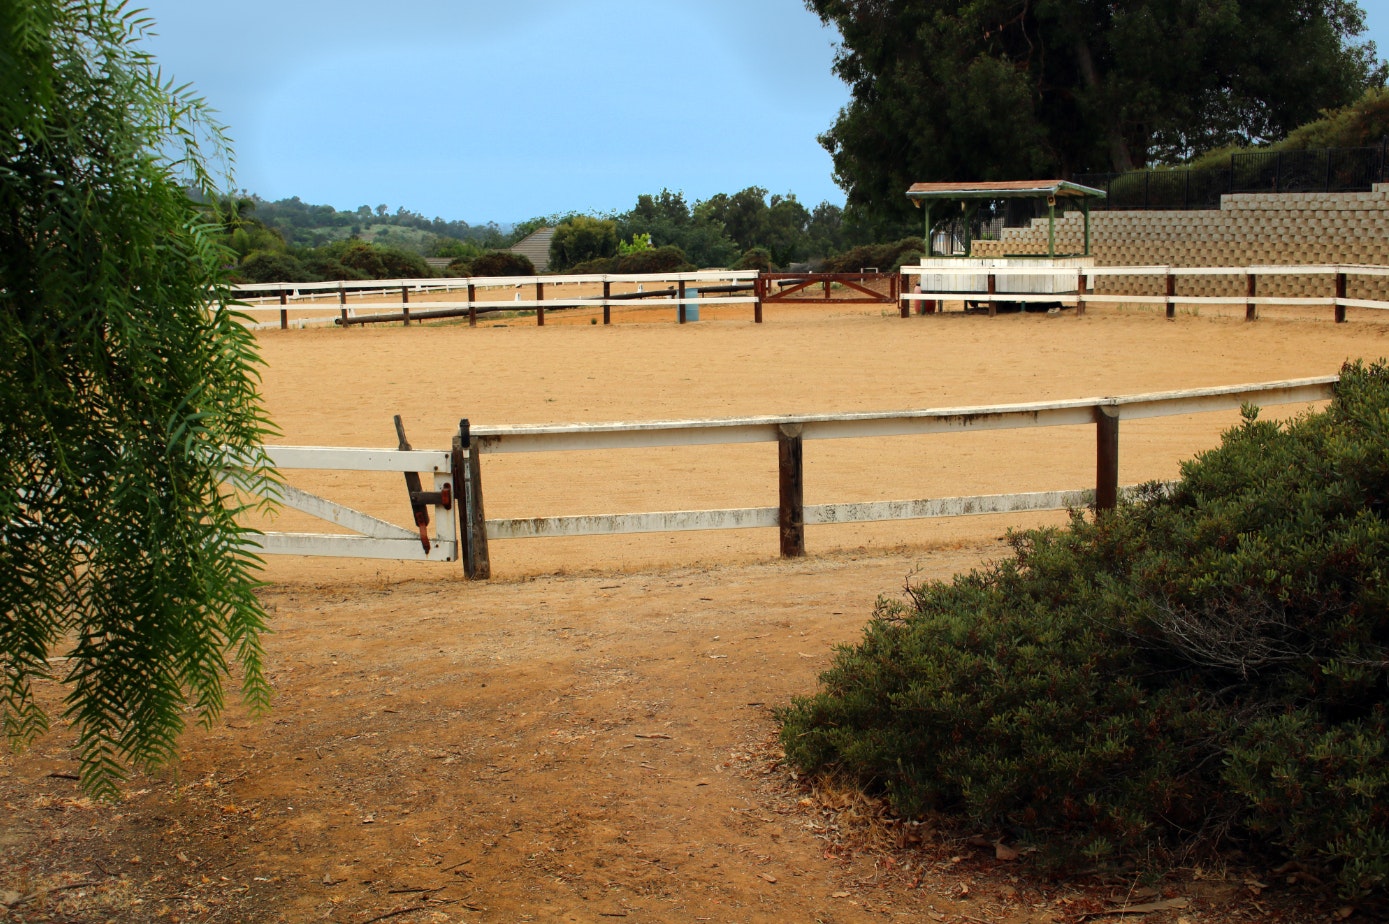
691	311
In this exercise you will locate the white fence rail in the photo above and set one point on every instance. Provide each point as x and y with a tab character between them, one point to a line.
791	515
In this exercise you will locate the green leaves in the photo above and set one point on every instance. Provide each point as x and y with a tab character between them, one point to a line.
126	388
1199	664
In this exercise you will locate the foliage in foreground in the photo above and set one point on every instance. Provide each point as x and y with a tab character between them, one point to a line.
127	388
1206	665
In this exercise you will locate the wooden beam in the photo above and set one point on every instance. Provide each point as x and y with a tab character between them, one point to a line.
1340	295
791	491
477	566
1106	457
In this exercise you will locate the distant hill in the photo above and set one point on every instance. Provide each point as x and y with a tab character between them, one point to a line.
306	225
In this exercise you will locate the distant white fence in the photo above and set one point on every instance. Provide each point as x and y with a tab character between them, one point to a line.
369	301
1082	280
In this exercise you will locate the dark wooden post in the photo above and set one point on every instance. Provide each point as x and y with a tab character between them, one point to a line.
1106	457
284	312
458	463
760	289
540	309
342	302
607	309
472	305
791	482
1251	288
993	306
1171	291
478	563
405	304
680	300
1080	292
1340	294
904	307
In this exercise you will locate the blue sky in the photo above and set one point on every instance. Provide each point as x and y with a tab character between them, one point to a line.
483	110
501	111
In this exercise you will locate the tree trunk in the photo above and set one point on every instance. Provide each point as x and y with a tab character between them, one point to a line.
1119	157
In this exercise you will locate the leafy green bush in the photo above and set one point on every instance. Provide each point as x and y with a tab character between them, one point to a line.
755	258
884	256
494	263
1205	663
270	266
668	259
580	238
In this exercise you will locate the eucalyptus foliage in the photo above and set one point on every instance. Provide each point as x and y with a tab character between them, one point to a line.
127	388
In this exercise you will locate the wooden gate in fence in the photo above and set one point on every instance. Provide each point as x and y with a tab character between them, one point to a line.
833	288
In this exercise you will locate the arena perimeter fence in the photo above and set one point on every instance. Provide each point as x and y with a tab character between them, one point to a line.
464	532
685	292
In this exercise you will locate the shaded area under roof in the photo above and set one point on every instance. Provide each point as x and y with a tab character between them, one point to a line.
971	197
1004	189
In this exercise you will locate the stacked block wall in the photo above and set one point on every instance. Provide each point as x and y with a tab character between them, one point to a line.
1247	230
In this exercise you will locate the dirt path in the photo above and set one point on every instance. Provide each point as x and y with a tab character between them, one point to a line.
590	736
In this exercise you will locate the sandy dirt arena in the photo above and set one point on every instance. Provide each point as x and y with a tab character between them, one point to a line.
590	736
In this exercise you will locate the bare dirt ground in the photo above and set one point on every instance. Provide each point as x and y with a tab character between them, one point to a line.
590	736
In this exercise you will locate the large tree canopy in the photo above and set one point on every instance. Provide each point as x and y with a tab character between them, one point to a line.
127	392
1010	89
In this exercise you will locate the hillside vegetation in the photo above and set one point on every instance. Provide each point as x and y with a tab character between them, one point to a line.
1202	667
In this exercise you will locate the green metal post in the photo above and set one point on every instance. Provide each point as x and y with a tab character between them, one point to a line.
1051	227
1085	210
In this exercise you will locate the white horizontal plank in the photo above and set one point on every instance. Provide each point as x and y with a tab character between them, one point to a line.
336	513
337	546
360	460
1362	303
618	523
1064	297
876	511
569	437
1100	297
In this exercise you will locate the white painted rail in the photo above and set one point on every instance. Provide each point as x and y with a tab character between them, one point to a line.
791	515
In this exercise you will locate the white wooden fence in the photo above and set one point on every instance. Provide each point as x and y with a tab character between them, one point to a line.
791	514
1083	280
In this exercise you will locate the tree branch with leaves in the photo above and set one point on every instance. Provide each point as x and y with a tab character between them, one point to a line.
128	389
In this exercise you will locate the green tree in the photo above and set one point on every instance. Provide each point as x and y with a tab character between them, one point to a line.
1009	89
127	391
580	238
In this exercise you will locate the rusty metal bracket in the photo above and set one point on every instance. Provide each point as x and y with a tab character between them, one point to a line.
419	498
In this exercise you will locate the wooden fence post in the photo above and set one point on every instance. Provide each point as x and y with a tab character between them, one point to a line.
284	312
1106	457
405	304
1080	292
680	300
993	306
1340	294
1171	291
540	309
1251	288
342	302
459	466
904	307
607	308
759	289
791	484
472	304
477	566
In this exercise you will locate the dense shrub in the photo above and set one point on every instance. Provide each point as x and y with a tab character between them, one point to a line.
668	259
885	257
494	263
580	238
1202	663
270	266
755	258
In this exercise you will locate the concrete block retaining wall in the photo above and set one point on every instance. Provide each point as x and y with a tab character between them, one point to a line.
1247	230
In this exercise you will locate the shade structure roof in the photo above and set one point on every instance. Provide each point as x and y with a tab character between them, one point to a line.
1004	189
